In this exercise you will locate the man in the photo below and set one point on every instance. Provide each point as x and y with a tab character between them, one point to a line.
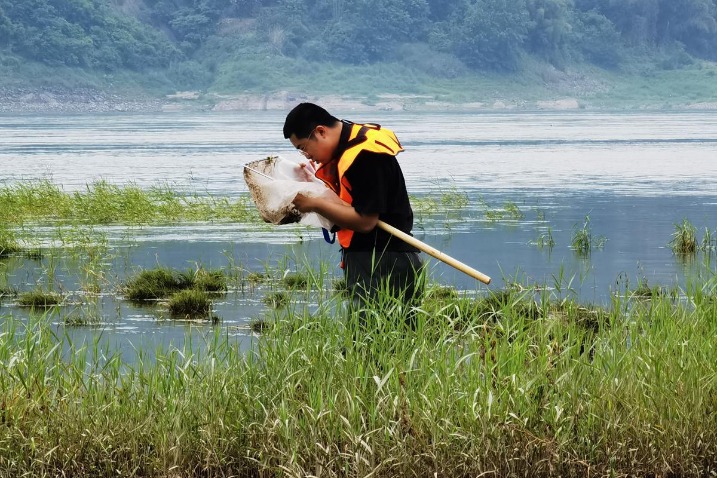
358	162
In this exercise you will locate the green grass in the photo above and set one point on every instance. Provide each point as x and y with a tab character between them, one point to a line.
39	299
8	242
105	203
684	239
295	280
276	300
162	282
545	239
153	284
209	280
583	241
525	387
190	304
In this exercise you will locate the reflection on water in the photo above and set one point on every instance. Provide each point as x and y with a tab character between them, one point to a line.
635	175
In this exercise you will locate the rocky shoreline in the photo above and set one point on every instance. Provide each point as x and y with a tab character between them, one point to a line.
87	101
83	100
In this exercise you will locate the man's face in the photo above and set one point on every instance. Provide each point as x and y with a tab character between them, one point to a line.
317	147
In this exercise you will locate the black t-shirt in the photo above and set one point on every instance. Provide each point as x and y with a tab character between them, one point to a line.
378	186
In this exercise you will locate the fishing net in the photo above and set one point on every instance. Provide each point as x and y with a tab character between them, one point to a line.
274	182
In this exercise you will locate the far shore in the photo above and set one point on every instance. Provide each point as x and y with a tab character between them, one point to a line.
85	101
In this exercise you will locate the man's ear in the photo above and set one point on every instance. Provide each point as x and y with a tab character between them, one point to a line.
321	130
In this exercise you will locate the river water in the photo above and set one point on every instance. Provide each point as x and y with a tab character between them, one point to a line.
634	175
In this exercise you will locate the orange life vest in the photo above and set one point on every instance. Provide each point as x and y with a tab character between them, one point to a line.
363	137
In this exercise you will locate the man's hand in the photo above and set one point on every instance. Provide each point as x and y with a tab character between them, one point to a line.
304	203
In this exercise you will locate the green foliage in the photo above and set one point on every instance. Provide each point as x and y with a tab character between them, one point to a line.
39	299
684	239
597	39
8	241
82	33
103	203
583	241
550	29
490	33
162	282
263	45
501	384
155	284
190	304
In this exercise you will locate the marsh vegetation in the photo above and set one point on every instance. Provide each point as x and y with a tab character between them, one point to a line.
510	383
521	379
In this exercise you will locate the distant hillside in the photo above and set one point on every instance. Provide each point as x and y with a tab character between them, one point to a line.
452	50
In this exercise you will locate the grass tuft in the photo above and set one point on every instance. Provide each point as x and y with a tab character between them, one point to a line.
295	280
155	284
39	299
276	300
684	239
104	203
190	304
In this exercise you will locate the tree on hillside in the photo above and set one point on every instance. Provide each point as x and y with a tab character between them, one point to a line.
691	22
550	28
82	33
661	23
489	34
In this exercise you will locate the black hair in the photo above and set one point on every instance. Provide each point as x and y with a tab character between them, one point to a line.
304	118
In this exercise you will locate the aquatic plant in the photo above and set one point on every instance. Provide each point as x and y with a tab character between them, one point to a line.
257	277
276	300
644	291
39	299
545	239
439	292
513	211
208	280
104	203
454	199
190	304
684	239
161	282
8	242
583	242
540	390
259	326
6	291
709	241
295	280
155	284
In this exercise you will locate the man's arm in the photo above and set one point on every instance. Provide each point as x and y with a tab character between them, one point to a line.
338	212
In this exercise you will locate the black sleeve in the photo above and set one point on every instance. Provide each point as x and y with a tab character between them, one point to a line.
372	177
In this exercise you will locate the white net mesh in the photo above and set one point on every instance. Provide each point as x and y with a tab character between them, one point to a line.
274	182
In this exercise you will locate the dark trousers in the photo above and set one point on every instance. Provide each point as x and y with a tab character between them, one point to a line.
376	277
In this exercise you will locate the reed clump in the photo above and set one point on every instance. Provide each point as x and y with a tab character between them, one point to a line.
190	304
39	299
8	242
583	242
276	300
7	291
526	389
153	284
162	282
209	280
684	239
295	280
102	202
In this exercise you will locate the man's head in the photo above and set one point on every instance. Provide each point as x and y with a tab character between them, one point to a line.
313	131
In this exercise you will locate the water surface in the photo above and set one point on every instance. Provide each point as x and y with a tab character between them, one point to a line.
634	175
